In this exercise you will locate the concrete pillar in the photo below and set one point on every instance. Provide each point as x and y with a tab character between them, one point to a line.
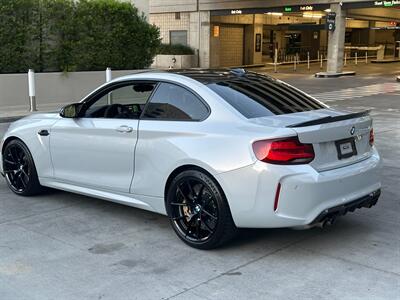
371	34
199	36
336	41
251	56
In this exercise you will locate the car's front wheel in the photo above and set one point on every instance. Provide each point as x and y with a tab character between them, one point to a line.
19	169
198	210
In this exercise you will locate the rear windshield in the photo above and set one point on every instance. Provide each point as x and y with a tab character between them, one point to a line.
255	96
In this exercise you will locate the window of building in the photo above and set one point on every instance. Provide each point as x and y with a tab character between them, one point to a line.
178	37
175	103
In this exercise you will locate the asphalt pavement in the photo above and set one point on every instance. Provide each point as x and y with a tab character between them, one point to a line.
65	246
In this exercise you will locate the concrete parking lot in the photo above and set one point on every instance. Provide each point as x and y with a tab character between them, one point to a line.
66	246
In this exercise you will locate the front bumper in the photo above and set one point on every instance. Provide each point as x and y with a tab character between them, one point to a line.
305	193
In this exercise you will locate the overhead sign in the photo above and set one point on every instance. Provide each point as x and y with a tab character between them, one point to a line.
387	3
236	12
366	4
306	8
264	10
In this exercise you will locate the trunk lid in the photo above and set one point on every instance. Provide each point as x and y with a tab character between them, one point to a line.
339	138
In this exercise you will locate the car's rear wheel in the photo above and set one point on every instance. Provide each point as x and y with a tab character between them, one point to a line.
19	169
198	210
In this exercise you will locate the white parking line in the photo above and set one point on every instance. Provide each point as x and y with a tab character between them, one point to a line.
358	92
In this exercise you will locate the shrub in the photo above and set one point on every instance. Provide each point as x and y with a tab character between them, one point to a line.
70	35
175	50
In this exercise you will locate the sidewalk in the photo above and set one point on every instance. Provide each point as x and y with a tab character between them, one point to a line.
13	113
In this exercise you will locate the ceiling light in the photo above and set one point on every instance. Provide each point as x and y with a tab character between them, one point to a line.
312	15
275	14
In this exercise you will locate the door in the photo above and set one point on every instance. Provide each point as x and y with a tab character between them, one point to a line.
97	149
232	45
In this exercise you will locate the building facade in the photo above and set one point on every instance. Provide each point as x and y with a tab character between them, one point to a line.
227	33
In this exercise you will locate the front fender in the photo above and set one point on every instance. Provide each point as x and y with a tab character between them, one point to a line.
27	131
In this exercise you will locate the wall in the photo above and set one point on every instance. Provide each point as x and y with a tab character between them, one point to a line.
167	22
189	22
52	89
142	5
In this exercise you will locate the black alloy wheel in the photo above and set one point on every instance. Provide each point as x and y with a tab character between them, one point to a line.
19	169
198	211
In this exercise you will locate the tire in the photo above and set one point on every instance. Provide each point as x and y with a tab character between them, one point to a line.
20	171
198	211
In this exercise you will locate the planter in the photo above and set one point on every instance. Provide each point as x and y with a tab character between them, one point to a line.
163	61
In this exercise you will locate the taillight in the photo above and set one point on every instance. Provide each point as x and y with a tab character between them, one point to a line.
285	151
371	137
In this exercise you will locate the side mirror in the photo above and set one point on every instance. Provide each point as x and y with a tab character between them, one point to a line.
71	110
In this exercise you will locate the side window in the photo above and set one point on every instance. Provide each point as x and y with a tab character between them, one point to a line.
122	102
172	102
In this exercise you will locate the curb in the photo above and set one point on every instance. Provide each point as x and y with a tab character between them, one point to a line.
385	61
10	119
334	75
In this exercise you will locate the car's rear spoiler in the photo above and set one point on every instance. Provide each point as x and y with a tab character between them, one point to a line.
331	119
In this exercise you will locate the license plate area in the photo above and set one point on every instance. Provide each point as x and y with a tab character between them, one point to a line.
346	148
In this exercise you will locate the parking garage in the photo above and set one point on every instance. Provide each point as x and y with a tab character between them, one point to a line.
238	33
255	36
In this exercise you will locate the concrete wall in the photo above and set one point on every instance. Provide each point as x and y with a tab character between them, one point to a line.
142	5
181	61
189	22
162	6
168	22
52	89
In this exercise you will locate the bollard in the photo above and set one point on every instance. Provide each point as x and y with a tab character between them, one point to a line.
108	75
294	63
356	58
32	90
345	59
276	60
308	61
108	79
366	57
318	55
322	61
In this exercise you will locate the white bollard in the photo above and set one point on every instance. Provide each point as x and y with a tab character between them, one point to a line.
366	57
32	90
318	55
108	75
294	63
356	58
345	59
276	60
308	61
108	79
322	61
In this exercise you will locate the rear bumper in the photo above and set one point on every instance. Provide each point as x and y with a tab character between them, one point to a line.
340	210
305	193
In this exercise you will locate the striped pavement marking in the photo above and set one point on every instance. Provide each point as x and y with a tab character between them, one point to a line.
358	92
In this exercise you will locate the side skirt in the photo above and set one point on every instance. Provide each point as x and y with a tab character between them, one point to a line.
153	204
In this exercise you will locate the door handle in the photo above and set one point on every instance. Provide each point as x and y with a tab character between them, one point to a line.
124	129
44	132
